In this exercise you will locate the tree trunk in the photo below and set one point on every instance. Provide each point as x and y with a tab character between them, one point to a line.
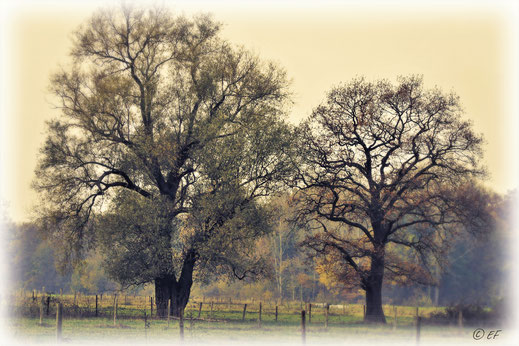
163	292
280	281
167	287
436	295
182	289
373	288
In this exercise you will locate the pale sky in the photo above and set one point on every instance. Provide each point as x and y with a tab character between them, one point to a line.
470	48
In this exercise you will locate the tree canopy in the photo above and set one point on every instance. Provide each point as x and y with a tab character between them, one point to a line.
381	167
167	133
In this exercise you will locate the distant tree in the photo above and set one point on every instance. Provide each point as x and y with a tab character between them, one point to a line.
31	260
90	278
479	267
284	240
335	276
168	137
22	243
381	167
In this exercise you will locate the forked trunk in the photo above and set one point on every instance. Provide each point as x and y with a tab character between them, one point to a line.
168	288
163	292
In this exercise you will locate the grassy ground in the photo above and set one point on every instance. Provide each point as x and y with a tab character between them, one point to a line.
102	329
221	323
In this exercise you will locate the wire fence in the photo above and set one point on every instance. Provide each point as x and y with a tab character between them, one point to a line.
121	306
128	306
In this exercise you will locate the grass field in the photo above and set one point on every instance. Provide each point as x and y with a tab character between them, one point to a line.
221	324
102	329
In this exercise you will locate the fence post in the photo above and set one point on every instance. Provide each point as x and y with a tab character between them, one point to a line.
42	301
460	321
145	324
364	311
276	313
418	325
212	308
169	310
303	326
59	321
259	315
327	312
75	294
181	324
395	317
191	323
48	302
199	309
309	313
244	311
151	306
96	305
115	310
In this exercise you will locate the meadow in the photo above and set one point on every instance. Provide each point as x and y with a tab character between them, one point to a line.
219	320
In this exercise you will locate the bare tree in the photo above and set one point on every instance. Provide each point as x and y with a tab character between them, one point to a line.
381	164
284	238
158	112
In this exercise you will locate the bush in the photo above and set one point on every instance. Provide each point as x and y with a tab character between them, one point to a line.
473	314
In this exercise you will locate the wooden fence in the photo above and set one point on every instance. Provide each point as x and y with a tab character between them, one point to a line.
124	306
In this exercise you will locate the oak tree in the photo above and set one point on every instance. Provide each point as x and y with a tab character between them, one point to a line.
381	167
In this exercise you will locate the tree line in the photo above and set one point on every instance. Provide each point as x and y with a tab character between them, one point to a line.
172	158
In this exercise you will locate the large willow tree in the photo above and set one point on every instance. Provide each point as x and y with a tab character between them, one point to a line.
167	140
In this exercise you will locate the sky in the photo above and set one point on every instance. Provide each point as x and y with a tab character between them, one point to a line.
470	48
